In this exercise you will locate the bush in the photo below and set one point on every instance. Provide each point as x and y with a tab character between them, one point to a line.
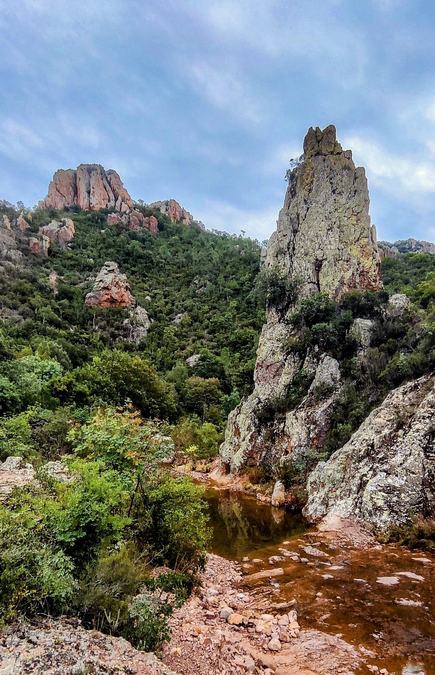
420	534
121	440
275	288
173	516
35	574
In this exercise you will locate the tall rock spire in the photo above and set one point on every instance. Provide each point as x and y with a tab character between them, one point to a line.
324	242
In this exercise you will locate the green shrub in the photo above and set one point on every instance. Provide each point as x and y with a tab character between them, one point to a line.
173	516
35	574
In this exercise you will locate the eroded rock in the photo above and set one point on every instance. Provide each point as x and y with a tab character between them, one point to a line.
90	187
174	211
111	289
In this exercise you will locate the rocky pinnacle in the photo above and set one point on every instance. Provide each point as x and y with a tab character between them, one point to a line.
324	242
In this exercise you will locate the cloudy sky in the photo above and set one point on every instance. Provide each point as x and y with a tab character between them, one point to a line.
207	100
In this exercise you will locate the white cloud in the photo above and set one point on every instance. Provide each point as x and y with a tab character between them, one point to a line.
222	216
225	89
397	173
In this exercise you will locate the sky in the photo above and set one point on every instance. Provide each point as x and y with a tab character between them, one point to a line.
206	101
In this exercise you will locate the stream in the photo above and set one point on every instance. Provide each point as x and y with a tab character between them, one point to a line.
379	598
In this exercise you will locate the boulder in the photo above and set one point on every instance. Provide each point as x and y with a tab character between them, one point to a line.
14	472
361	330
137	325
397	304
384	475
59	232
278	494
22	223
111	289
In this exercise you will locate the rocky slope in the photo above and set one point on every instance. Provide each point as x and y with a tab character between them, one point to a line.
385	474
324	243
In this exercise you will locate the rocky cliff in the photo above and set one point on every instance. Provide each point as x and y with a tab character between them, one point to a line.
324	244
385	473
90	187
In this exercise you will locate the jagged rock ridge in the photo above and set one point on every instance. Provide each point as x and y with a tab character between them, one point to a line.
388	250
324	242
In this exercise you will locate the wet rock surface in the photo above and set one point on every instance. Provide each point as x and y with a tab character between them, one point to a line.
225	629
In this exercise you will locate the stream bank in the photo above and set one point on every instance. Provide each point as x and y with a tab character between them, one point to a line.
369	605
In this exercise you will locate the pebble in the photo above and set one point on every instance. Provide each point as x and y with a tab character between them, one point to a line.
274	645
423	560
410	575
235	619
407	602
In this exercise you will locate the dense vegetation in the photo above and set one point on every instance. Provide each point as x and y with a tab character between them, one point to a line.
74	390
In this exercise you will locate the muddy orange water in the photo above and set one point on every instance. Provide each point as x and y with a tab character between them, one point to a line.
380	599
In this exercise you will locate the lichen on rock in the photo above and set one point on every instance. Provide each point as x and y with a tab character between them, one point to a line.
384	475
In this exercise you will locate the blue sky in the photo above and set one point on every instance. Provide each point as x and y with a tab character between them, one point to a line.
207	100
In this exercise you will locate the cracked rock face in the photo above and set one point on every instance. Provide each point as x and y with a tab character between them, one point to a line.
325	243
111	289
90	187
384	474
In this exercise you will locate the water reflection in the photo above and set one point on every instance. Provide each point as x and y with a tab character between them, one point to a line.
242	525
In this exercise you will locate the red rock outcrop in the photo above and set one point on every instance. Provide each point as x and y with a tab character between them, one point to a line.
111	289
90	187
175	212
134	220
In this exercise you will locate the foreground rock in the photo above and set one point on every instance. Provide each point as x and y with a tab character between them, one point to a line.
385	473
90	187
225	630
63	647
111	289
324	243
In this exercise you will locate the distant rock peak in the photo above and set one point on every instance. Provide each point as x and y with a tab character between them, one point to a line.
173	210
90	187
